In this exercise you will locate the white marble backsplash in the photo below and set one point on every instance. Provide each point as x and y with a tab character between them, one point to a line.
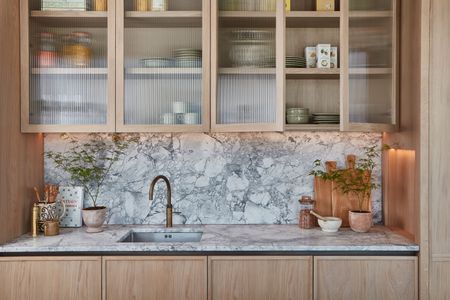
232	178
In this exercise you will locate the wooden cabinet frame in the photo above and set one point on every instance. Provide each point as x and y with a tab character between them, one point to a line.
120	78
25	71
346	125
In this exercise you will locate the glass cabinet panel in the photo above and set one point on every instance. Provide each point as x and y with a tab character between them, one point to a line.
244	57
372	62
163	65
69	66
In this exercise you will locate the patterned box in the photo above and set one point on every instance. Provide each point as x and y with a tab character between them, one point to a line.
72	196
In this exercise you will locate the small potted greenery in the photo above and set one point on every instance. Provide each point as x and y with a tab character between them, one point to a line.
89	163
357	182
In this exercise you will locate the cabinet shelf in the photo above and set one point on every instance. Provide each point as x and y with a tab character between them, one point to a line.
70	18
157	71
370	14
312	73
312	127
370	71
163	19
69	71
313	19
247	71
247	19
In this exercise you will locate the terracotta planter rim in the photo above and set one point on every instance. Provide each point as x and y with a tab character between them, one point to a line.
91	208
361	212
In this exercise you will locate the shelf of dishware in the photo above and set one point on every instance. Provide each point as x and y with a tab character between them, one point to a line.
312	127
68	18
247	71
312	73
313	19
158	71
69	71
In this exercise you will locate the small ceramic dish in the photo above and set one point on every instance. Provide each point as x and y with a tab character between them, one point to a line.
331	224
297	119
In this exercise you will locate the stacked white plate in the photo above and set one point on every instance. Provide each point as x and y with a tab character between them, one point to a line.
157	62
188	58
295	62
326	118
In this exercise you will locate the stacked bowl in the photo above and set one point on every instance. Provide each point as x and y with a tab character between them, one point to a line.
297	116
188	58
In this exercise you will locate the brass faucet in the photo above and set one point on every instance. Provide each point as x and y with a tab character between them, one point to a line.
169	197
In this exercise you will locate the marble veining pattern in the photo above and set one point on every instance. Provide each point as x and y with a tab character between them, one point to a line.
217	238
233	178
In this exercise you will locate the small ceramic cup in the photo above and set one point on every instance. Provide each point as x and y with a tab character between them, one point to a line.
179	107
191	118
168	118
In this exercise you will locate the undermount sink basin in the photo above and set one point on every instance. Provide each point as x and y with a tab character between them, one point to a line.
161	237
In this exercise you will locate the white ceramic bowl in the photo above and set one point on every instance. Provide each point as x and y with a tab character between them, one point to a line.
331	225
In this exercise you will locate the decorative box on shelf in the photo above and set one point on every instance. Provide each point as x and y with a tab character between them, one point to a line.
81	5
72	196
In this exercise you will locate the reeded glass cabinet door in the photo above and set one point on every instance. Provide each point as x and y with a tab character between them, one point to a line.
370	82
162	65
68	67
247	78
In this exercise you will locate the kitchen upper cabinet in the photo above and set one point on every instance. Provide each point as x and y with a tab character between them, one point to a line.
387	278
67	68
260	277
370	77
247	65
210	65
155	278
162	65
50	278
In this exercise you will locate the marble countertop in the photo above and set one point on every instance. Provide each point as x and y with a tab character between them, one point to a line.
220	238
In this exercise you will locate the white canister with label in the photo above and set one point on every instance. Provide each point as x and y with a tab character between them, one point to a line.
334	57
323	56
311	57
160	5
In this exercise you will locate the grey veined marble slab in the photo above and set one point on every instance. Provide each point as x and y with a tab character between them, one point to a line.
226	238
232	178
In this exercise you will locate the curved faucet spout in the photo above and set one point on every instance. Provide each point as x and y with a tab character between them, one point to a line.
169	197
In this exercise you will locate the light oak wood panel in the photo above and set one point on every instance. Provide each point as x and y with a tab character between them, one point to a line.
50	278
439	123
370	278
155	278
260	278
439	279
21	161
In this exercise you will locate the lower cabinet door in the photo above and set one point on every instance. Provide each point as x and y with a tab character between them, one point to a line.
260	278
50	278
368	278
155	278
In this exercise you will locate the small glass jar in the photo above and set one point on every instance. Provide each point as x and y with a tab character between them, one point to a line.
306	220
100	5
47	53
141	5
81	49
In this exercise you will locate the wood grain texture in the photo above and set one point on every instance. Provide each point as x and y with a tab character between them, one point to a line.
260	278
439	279
21	161
370	278
50	278
155	278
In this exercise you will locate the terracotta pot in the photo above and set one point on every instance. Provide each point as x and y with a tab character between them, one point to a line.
360	221
94	217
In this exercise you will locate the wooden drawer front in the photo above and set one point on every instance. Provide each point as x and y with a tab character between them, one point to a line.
365	278
48	278
260	278
155	278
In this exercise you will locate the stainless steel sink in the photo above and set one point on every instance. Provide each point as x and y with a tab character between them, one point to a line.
161	237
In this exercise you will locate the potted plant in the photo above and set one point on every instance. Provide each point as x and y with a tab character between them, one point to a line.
356	182
359	183
89	163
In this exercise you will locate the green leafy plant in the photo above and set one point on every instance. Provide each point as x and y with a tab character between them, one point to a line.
358	181
89	162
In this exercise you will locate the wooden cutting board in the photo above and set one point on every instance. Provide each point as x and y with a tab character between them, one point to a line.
342	203
323	192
